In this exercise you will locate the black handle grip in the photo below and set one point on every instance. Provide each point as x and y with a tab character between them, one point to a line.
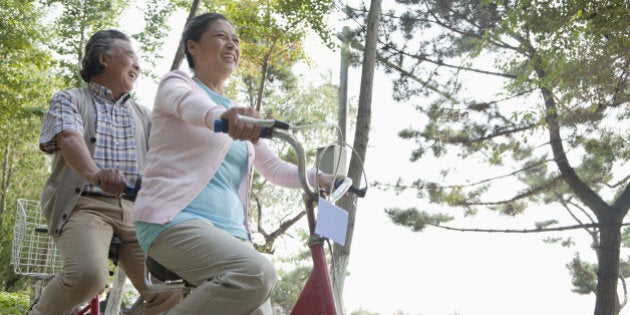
132	191
360	192
222	125
41	229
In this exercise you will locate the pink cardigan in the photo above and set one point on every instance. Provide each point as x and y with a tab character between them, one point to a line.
185	153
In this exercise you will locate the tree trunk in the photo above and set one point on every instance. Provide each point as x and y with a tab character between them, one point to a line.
263	77
179	54
609	217
261	85
607	302
343	83
341	253
6	180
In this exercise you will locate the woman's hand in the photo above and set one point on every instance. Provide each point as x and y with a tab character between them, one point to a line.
241	130
326	182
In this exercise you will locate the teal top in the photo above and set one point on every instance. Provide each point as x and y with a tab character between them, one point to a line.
218	202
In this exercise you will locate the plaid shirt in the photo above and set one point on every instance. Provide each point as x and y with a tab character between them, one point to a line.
115	145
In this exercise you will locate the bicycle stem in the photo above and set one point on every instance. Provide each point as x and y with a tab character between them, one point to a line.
301	159
310	197
277	129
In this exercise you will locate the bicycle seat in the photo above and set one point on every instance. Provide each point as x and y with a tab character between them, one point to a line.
160	272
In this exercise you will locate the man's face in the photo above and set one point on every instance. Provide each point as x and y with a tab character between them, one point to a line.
122	67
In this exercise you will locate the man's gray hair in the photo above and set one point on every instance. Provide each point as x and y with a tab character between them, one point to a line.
101	42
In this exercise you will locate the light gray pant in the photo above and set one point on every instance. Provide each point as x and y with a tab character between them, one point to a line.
84	245
229	275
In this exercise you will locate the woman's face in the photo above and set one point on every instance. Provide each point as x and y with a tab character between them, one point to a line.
218	49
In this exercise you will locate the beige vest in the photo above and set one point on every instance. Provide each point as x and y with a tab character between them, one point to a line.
64	186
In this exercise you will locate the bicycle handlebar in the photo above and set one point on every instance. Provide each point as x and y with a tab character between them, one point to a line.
268	125
360	192
132	191
278	129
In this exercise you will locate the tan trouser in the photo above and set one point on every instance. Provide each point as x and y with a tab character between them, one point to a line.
84	244
229	275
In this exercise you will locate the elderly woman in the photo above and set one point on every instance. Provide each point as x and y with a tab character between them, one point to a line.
191	214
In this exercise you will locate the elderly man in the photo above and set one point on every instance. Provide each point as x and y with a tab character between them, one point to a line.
97	136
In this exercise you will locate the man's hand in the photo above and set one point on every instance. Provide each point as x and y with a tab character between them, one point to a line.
111	181
77	155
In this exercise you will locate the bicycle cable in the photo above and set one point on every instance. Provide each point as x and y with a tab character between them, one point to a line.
341	142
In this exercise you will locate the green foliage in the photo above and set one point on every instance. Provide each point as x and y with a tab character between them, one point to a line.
293	272
308	104
74	23
416	220
14	302
584	276
573	55
26	84
544	224
155	14
564	242
312	13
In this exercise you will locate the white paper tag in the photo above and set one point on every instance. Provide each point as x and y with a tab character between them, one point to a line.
332	222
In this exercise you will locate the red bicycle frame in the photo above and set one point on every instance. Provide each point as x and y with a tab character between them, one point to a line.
92	308
316	297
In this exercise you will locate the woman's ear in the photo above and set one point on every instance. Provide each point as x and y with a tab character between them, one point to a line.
103	59
191	45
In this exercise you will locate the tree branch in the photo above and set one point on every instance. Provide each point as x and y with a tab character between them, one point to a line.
179	54
465	34
424	83
483	181
284	226
523	231
528	193
581	190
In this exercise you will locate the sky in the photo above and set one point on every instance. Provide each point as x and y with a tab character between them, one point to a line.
434	272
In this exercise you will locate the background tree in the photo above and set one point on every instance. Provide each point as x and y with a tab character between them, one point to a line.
276	210
341	254
151	38
25	82
271	34
293	271
74	22
555	132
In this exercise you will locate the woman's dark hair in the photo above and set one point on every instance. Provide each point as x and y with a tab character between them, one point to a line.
101	42
195	27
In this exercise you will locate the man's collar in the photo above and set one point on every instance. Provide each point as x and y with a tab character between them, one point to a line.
106	93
